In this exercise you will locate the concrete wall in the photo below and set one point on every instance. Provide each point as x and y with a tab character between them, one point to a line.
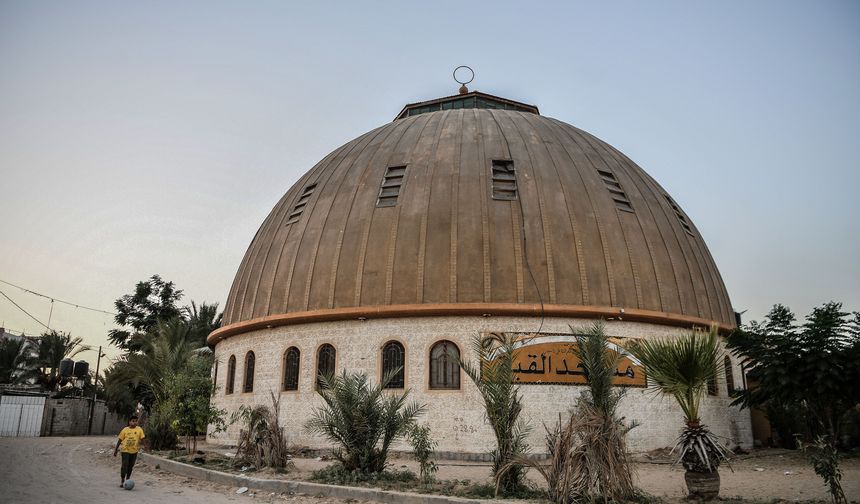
456	417
69	416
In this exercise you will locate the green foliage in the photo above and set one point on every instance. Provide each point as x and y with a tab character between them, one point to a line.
187	400
203	320
163	353
600	362
423	446
362	419
337	474
812	368
18	364
825	460
119	393
159	430
153	301
494	377
682	367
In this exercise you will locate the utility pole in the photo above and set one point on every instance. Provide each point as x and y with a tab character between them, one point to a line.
95	390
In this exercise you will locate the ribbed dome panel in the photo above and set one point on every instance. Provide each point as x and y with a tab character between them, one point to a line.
564	240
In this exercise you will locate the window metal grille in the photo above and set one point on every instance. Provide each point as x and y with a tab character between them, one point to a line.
231	375
504	180
326	358
393	359
249	372
444	366
299	207
390	188
291	369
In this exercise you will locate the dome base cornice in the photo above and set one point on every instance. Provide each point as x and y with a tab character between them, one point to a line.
463	309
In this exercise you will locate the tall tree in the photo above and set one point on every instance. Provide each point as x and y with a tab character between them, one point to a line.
153	300
813	367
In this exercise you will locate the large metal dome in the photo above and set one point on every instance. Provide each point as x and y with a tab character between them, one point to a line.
476	211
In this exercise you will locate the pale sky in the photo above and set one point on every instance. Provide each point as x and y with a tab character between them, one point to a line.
154	137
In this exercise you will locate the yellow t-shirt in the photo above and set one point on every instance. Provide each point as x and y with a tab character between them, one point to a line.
130	439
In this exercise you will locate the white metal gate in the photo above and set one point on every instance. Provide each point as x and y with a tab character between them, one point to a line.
21	416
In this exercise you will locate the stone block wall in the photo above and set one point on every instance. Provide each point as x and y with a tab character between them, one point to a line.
69	416
456	417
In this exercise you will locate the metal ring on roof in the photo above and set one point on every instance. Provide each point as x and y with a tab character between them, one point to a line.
458	80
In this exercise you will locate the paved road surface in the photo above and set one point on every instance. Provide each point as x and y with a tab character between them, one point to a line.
72	471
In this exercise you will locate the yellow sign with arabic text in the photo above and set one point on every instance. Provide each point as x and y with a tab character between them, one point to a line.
551	359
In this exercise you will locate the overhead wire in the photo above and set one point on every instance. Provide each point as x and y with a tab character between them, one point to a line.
52	298
23	310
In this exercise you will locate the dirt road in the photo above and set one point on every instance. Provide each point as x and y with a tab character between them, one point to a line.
75	470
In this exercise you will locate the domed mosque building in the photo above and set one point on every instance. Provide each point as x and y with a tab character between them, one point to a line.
467	215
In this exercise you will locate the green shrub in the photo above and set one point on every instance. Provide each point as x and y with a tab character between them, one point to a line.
362	419
422	447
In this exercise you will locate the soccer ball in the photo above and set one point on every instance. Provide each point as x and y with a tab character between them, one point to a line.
128	484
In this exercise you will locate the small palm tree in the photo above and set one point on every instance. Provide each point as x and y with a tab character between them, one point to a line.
17	361
589	461
362	419
494	378
52	347
681	368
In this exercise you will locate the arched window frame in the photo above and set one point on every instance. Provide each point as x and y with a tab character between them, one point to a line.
329	353
230	387
248	376
393	357
292	366
441	355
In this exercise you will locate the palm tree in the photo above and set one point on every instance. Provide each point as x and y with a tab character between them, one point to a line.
164	352
494	378
17	361
52	347
589	461
363	419
681	368
203	320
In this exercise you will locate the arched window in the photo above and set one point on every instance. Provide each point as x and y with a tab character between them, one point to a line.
215	373
291	369
231	374
730	377
393	360
712	386
325	361
249	372
444	366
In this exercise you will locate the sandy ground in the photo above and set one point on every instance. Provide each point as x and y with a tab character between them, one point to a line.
81	470
72	471
764	475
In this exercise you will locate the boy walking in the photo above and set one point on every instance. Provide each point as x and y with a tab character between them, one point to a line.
129	438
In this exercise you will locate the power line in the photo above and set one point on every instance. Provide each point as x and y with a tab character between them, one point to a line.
23	310
52	298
